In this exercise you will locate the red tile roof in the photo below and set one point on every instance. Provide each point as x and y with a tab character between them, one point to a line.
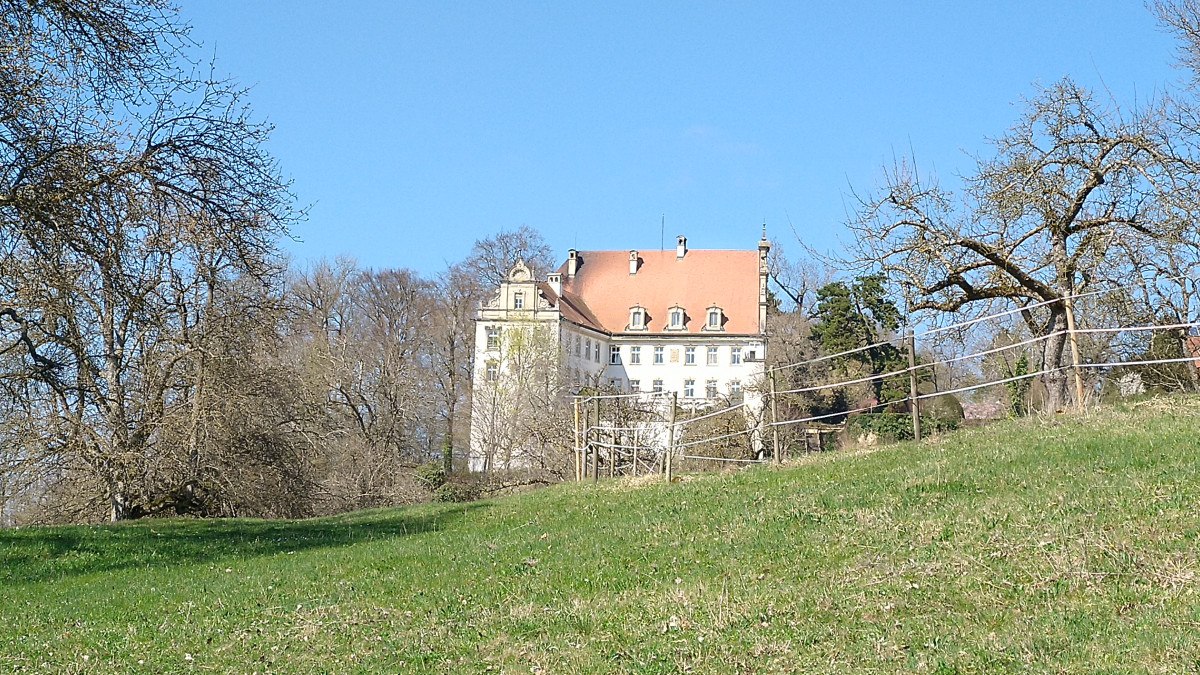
572	309
603	291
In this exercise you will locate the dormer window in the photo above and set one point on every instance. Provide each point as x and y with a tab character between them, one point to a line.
637	318
519	300
716	319
675	318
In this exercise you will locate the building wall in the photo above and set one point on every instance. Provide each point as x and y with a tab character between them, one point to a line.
675	371
583	369
501	391
584	365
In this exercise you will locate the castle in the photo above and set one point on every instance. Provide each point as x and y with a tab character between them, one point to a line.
686	321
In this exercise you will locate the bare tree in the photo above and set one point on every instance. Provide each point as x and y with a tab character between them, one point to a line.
796	280
519	411
1038	220
1182	18
123	179
452	351
364	340
492	257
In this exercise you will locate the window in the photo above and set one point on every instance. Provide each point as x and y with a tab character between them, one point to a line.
689	356
676	319
735	356
658	355
615	383
635	385
712	356
657	387
587	349
597	351
735	388
635	355
714	318
614	355
710	389
519	300
578	345
493	371
689	388
493	337
637	318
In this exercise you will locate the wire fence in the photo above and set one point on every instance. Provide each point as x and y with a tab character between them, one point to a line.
747	432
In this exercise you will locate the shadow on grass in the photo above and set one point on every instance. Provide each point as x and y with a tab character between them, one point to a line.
45	554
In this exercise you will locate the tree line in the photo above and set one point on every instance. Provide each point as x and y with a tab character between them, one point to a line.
159	355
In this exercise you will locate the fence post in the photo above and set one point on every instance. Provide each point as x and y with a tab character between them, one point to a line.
596	443
671	437
1070	307
914	404
578	446
636	454
612	453
774	419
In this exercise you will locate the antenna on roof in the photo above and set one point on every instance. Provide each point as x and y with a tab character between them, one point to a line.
662	234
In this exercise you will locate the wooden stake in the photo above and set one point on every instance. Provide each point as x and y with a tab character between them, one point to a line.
914	403
1079	403
774	420
671	437
612	454
635	452
596	444
578	447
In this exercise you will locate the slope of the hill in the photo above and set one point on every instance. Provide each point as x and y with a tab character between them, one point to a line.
1065	545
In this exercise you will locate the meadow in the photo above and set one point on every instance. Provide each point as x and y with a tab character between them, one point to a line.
1065	545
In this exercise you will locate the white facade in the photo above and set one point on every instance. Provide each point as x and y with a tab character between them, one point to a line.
701	370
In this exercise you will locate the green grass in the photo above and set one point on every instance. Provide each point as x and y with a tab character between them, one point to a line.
1065	546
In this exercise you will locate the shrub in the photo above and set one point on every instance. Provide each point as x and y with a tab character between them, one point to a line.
1018	390
431	476
944	409
455	492
890	427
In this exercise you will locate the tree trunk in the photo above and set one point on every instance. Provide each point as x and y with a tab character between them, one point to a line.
448	443
118	501
1055	380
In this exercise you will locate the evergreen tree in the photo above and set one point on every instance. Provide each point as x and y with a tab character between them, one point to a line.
854	316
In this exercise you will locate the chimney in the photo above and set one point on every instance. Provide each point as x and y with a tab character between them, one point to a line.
554	280
764	247
572	263
633	261
680	247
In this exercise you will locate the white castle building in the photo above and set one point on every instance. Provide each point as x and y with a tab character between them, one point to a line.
686	321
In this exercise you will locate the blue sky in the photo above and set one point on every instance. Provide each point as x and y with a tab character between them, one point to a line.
414	128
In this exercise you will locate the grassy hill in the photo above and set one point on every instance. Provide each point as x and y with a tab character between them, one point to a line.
1055	546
